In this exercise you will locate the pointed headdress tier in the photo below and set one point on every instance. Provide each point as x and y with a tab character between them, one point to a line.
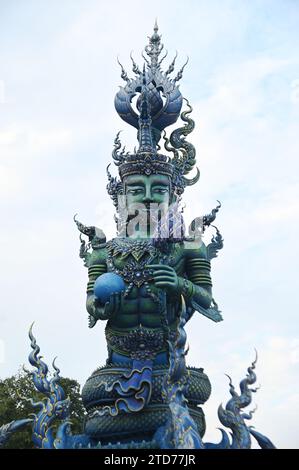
158	104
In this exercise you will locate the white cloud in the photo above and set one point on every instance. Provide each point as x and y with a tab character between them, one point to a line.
2	351
46	141
9	182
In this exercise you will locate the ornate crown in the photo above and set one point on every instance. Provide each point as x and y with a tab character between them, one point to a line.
159	103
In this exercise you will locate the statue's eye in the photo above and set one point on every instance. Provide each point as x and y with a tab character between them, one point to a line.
135	191
160	190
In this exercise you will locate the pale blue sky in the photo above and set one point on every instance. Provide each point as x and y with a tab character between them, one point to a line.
58	78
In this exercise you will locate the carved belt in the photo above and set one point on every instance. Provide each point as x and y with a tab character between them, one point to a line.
139	343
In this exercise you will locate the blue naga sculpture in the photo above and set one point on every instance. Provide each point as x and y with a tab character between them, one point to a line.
55	407
146	284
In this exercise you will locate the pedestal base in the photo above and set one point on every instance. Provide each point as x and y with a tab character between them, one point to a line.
143	424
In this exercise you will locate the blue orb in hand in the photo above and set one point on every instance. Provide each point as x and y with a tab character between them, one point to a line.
106	284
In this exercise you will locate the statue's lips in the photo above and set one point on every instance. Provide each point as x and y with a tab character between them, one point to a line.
147	212
148	215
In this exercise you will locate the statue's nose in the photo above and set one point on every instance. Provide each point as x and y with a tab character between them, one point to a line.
148	196
147	199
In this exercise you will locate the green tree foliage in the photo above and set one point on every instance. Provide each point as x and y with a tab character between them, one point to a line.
13	407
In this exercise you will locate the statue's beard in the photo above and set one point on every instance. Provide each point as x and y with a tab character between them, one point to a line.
151	220
146	220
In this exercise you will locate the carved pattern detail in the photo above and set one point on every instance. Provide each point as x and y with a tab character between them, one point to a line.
140	343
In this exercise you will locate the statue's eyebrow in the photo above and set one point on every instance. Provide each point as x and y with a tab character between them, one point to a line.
160	183
136	183
156	182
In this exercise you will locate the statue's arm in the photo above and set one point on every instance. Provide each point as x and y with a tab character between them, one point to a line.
97	310
196	287
96	267
195	292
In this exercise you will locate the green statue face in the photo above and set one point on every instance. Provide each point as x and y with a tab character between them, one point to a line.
142	189
145	194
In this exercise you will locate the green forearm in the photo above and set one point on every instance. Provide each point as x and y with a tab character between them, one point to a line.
96	311
94	272
191	291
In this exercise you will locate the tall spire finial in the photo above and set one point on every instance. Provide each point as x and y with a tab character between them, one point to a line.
145	129
154	48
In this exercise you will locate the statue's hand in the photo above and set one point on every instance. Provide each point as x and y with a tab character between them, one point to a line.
91	321
112	307
164	277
